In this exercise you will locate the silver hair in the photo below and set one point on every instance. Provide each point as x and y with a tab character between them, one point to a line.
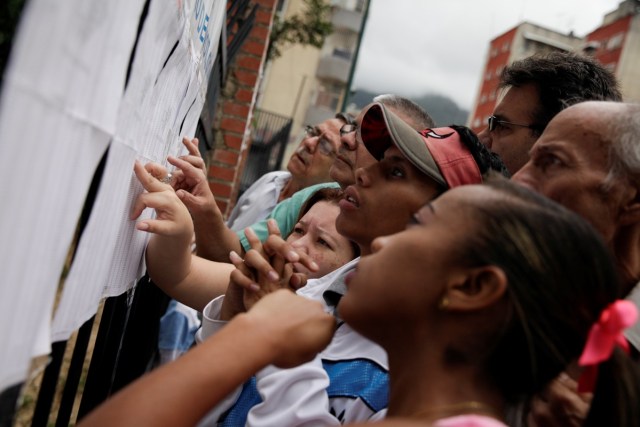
624	153
414	114
346	117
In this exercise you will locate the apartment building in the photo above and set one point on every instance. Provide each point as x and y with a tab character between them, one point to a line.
519	42
309	84
616	44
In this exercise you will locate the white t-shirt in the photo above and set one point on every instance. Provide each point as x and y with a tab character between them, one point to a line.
347	382
257	202
633	333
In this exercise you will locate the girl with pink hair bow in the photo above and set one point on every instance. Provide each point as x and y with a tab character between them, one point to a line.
487	295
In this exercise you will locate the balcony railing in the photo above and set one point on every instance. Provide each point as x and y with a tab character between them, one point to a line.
345	19
269	138
334	68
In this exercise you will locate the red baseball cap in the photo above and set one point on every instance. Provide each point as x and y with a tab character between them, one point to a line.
438	152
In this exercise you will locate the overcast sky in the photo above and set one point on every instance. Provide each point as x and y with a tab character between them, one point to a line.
413	47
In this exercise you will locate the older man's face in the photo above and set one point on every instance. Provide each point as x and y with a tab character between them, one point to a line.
311	161
569	164
351	155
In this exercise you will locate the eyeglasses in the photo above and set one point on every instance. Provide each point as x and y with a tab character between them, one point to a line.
324	145
495	121
310	131
347	129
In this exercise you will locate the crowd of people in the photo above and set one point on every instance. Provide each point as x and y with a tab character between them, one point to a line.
410	273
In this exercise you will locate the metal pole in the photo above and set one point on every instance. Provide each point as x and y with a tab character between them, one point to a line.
298	95
365	15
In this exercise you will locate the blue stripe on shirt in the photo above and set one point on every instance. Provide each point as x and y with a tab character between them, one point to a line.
356	379
360	378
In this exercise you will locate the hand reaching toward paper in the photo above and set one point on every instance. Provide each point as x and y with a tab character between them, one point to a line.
266	268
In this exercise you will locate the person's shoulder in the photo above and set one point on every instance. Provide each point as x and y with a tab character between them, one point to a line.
633	333
315	287
299	197
272	177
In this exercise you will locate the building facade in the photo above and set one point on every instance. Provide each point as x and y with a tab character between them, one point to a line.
309	84
616	44
519	42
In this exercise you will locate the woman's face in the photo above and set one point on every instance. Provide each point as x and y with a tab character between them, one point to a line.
385	196
404	278
316	235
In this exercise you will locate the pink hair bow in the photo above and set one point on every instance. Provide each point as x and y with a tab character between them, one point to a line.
604	335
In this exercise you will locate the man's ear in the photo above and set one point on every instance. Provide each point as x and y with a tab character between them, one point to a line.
477	289
630	213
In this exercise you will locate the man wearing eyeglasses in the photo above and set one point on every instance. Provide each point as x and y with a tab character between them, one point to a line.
317	151
307	170
308	166
352	153
215	239
587	160
536	89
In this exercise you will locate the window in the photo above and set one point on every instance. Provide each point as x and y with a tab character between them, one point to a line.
615	42
329	96
342	53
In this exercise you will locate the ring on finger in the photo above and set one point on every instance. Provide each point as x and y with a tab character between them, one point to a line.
167	179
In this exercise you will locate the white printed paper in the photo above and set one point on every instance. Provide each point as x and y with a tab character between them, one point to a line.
63	104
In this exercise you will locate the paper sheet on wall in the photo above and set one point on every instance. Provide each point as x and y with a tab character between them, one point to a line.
168	81
62	106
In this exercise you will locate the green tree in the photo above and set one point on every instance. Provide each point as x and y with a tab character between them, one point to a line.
311	28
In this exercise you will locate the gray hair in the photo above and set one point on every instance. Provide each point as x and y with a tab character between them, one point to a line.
346	117
624	153
413	114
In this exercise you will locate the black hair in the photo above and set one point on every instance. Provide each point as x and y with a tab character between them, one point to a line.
412	113
560	277
561	79
615	401
348	118
486	159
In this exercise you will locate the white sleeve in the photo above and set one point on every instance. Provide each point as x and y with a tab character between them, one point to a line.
210	326
633	333
293	397
211	322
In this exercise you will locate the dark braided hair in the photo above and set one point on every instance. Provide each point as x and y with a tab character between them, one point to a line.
487	160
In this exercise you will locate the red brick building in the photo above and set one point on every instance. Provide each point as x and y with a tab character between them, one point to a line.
616	44
235	109
519	42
